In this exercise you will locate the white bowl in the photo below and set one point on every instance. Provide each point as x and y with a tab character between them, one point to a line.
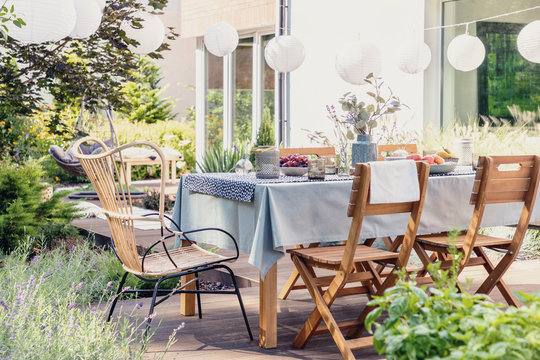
391	158
294	171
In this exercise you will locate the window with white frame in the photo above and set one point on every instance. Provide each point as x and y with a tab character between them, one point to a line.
234	94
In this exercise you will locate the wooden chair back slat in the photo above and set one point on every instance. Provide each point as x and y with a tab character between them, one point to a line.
377	209
359	208
108	176
494	186
320	151
509	179
410	148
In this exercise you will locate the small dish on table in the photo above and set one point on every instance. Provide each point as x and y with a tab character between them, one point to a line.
442	168
392	158
294	171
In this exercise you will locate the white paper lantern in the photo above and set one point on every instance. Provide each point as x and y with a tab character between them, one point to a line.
221	39
150	36
358	59
101	4
284	53
414	57
528	41
46	20
88	18
466	52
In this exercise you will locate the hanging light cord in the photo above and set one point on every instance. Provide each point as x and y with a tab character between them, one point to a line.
484	19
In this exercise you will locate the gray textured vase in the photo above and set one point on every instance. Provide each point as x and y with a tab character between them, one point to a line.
363	150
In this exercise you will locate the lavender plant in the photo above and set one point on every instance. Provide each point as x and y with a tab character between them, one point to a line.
44	313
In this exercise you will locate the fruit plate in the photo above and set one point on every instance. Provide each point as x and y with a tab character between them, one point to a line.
443	168
294	171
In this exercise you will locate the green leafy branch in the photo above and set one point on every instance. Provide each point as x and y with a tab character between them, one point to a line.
364	117
8	15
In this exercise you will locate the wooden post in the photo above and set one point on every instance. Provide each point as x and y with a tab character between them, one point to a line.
268	309
187	301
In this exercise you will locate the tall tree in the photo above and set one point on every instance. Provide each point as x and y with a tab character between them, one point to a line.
69	69
144	95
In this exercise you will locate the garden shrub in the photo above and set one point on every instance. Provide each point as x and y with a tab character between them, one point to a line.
216	159
173	134
502	139
143	95
45	311
442	323
23	212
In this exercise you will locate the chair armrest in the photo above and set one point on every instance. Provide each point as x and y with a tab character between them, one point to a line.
216	229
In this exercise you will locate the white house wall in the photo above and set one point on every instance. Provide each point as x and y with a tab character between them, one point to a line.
323	26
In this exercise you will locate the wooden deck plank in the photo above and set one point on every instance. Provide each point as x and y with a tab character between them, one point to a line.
221	333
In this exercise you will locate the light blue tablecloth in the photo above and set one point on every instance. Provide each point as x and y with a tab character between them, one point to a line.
284	215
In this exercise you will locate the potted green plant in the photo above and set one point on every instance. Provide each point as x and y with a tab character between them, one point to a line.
363	118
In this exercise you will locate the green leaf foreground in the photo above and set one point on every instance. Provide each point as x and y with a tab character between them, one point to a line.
443	323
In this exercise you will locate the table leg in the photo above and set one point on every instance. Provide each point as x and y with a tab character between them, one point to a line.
268	309
165	170
128	173
187	301
173	171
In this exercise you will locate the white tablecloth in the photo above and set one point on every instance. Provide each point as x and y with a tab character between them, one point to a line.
283	215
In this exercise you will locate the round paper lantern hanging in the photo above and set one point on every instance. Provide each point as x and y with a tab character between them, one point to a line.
284	53
101	4
221	39
358	59
150	36
414	57
466	52
528	41
46	20
88	18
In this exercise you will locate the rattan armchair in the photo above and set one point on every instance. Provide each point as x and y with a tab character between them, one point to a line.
106	174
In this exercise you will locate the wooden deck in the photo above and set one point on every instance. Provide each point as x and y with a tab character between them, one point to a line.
221	333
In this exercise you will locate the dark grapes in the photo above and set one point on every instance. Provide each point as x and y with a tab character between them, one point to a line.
293	160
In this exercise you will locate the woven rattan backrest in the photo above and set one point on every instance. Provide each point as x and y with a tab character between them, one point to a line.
359	207
107	174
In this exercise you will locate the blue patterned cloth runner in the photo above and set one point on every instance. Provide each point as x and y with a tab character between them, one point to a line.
240	187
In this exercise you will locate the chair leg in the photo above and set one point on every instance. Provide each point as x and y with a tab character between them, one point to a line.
495	277
321	312
239	299
152	305
115	300
198	287
287	288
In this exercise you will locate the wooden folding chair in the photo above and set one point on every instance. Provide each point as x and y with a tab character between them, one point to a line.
499	179
291	283
354	263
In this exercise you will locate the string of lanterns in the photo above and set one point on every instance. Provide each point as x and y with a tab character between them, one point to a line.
355	60
54	20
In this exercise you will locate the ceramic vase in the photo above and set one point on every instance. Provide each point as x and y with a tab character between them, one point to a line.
363	150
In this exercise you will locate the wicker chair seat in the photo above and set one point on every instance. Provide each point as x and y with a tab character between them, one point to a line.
187	257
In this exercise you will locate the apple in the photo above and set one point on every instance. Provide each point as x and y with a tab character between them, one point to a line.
414	157
429	159
438	160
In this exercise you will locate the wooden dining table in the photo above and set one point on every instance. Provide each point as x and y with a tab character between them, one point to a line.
267	217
